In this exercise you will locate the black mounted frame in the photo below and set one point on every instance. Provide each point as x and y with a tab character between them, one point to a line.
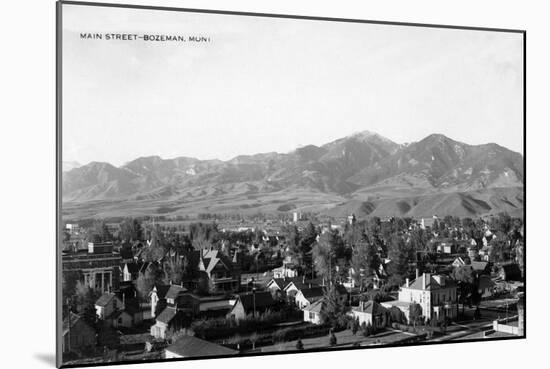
59	99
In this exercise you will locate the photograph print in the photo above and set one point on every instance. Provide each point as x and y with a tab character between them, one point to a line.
236	184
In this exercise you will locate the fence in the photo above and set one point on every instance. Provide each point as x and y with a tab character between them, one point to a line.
503	326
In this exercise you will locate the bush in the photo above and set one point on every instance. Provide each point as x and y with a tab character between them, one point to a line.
354	326
222	327
299	345
292	333
332	339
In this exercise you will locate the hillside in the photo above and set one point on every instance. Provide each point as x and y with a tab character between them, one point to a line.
364	173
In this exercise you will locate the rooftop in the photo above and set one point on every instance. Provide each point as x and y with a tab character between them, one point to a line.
104	299
188	346
259	299
370	307
167	315
174	291
431	282
315	307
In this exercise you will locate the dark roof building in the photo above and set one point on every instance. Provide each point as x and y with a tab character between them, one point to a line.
313	292
167	315
251	303
188	346
174	292
105	299
370	307
77	334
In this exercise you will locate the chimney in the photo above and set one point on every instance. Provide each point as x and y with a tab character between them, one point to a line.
423	281
304	278
417	273
123	301
407	282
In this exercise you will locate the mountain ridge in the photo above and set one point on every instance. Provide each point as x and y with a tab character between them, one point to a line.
351	168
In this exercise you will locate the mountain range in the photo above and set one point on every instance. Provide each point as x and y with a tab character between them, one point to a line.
363	173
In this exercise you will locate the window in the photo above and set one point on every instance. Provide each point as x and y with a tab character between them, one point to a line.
120	320
311	315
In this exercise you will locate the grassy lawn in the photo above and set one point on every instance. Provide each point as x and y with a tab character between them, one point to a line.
344	338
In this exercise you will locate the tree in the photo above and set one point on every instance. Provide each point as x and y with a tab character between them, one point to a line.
354	326
130	230
465	278
415	313
499	248
153	275
370	329
364	330
203	235
364	260
254	337
155	250
307	240
322	258
293	238
85	302
174	270
333	311
396	315
420	241
100	232
400	255
502	222
332	339
69	283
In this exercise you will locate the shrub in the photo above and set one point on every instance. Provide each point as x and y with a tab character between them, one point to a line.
281	335
354	326
222	327
299	345
332	339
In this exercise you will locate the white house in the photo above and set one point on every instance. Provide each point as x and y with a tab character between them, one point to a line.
312	313
285	271
308	296
370	312
107	304
436	294
170	317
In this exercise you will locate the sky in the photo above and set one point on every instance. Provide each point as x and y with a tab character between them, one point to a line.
267	84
